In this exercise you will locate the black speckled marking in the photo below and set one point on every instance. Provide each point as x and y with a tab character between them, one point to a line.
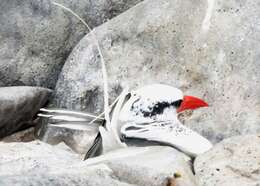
159	107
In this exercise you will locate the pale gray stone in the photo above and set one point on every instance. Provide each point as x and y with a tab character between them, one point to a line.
151	165
37	163
36	36
234	161
78	140
208	49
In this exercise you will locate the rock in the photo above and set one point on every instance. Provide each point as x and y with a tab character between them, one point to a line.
91	177
152	165
78	140
26	135
35	154
98	11
19	106
208	49
38	163
36	36
234	161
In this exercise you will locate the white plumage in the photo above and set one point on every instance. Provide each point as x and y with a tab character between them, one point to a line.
139	118
150	113
145	99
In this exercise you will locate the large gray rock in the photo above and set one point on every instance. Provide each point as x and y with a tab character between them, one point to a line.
36	36
151	165
37	163
234	161
208	49
19	106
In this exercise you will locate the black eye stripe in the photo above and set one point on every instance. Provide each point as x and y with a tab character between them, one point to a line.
159	107
177	104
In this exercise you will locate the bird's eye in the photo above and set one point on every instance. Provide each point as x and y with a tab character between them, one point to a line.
177	103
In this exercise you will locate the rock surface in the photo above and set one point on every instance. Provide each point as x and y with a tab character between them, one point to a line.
148	165
208	49
26	135
78	140
36	36
234	161
19	106
37	163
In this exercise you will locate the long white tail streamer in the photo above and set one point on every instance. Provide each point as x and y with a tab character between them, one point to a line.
104	72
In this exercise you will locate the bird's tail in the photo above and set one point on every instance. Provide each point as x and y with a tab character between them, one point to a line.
108	137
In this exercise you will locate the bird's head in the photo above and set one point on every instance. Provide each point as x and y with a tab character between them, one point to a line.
158	102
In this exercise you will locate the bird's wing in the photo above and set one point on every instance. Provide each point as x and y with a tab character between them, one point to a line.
122	99
176	135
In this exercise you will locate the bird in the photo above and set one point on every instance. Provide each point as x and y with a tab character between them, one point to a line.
149	113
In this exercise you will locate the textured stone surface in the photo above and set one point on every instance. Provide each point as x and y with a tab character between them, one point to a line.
38	163
78	140
19	106
234	161
36	36
35	154
26	135
208	49
150	165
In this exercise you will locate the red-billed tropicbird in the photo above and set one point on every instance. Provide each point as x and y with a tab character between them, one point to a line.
150	113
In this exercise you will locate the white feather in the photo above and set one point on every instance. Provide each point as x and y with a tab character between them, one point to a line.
68	112
63	117
68	118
